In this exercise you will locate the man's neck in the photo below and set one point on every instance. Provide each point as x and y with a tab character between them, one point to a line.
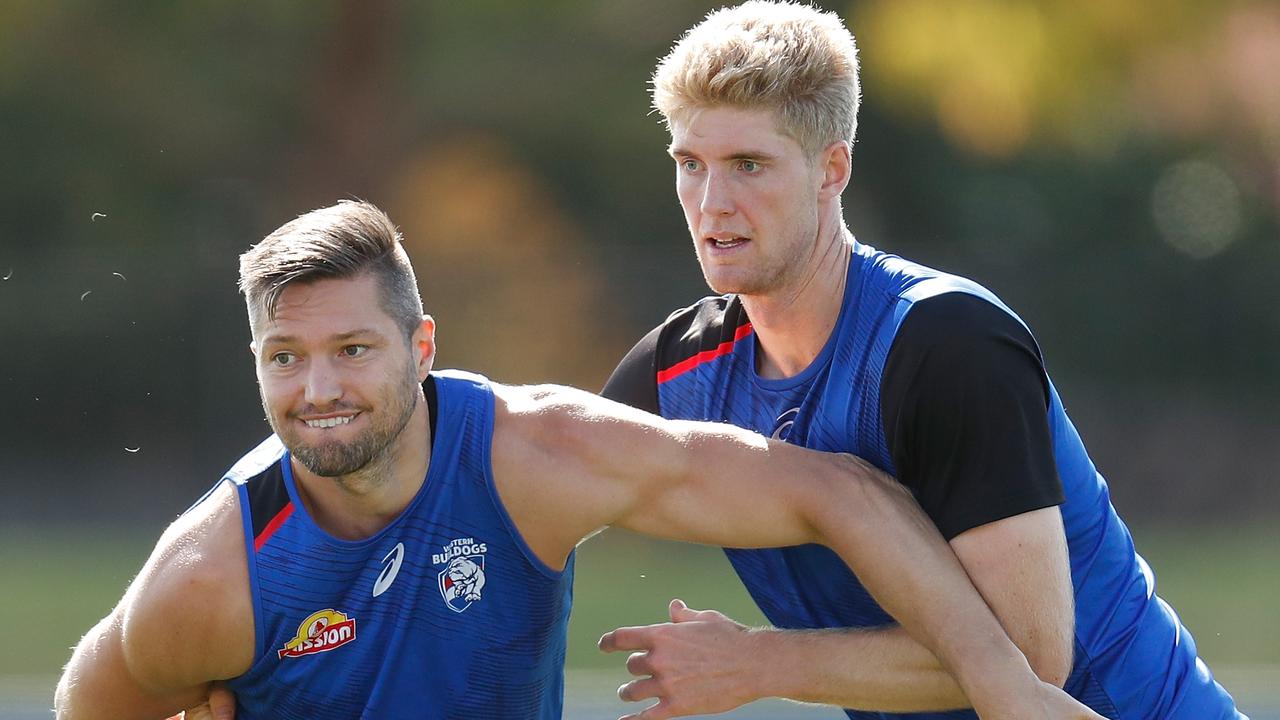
359	505
792	325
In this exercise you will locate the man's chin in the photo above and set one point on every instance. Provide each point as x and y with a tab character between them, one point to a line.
723	285
330	462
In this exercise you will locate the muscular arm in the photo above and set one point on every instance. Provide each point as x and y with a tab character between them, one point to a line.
138	662
567	463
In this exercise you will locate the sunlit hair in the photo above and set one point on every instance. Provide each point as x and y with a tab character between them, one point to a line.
793	59
341	241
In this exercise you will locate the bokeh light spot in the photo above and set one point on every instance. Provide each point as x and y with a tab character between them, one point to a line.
1196	208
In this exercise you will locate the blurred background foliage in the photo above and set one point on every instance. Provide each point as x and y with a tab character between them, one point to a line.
1111	169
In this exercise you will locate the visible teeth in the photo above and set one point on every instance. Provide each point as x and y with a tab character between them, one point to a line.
727	243
329	422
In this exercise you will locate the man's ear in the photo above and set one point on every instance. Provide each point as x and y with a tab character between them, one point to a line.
253	348
424	346
836	161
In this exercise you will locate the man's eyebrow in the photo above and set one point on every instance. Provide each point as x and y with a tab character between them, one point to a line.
752	155
339	337
676	151
361	332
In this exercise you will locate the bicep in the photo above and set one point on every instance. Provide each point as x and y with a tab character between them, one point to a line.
100	682
186	620
964	401
568	462
964	398
1020	566
734	488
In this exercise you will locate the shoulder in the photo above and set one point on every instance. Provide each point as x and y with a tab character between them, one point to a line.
959	321
701	327
551	412
192	593
555	427
560	459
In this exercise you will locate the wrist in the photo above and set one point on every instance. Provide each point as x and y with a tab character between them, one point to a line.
997	677
766	664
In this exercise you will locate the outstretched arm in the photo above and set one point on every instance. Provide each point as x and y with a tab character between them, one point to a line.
138	663
567	462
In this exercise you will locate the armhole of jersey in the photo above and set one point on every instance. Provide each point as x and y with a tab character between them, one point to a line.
251	561
265	505
492	486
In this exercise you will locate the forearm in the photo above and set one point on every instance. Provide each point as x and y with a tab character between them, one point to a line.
880	669
900	557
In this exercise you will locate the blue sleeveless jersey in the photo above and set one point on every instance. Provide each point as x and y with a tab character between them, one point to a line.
1133	658
445	613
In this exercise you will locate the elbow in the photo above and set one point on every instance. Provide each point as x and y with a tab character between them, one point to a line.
65	703
61	698
1051	664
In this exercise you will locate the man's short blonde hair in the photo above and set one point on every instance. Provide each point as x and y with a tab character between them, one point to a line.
793	59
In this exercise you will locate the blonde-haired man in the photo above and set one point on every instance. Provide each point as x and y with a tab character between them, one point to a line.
828	343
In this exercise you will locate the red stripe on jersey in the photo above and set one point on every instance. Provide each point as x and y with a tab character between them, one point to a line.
688	364
272	527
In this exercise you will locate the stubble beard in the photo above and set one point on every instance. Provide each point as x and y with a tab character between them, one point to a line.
769	274
766	276
369	451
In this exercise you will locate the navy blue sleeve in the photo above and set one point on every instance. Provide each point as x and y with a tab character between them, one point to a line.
964	397
635	381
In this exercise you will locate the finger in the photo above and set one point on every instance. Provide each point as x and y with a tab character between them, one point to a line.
680	612
222	702
660	710
683	613
638	664
639	689
628	638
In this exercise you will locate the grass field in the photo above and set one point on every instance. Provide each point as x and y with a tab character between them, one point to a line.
1223	582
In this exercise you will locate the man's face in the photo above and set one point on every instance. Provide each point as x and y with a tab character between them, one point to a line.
339	381
750	197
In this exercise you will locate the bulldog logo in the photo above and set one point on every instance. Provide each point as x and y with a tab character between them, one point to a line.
462	580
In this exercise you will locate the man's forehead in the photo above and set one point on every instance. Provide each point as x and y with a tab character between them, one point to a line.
327	308
276	333
728	128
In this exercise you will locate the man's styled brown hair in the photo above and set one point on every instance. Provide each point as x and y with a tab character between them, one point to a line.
339	241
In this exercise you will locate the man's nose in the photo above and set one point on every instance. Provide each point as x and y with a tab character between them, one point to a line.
717	196
323	384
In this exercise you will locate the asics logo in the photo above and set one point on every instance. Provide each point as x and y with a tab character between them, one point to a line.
389	571
782	426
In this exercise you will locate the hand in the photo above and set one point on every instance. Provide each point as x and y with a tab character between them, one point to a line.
221	705
1059	705
693	665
